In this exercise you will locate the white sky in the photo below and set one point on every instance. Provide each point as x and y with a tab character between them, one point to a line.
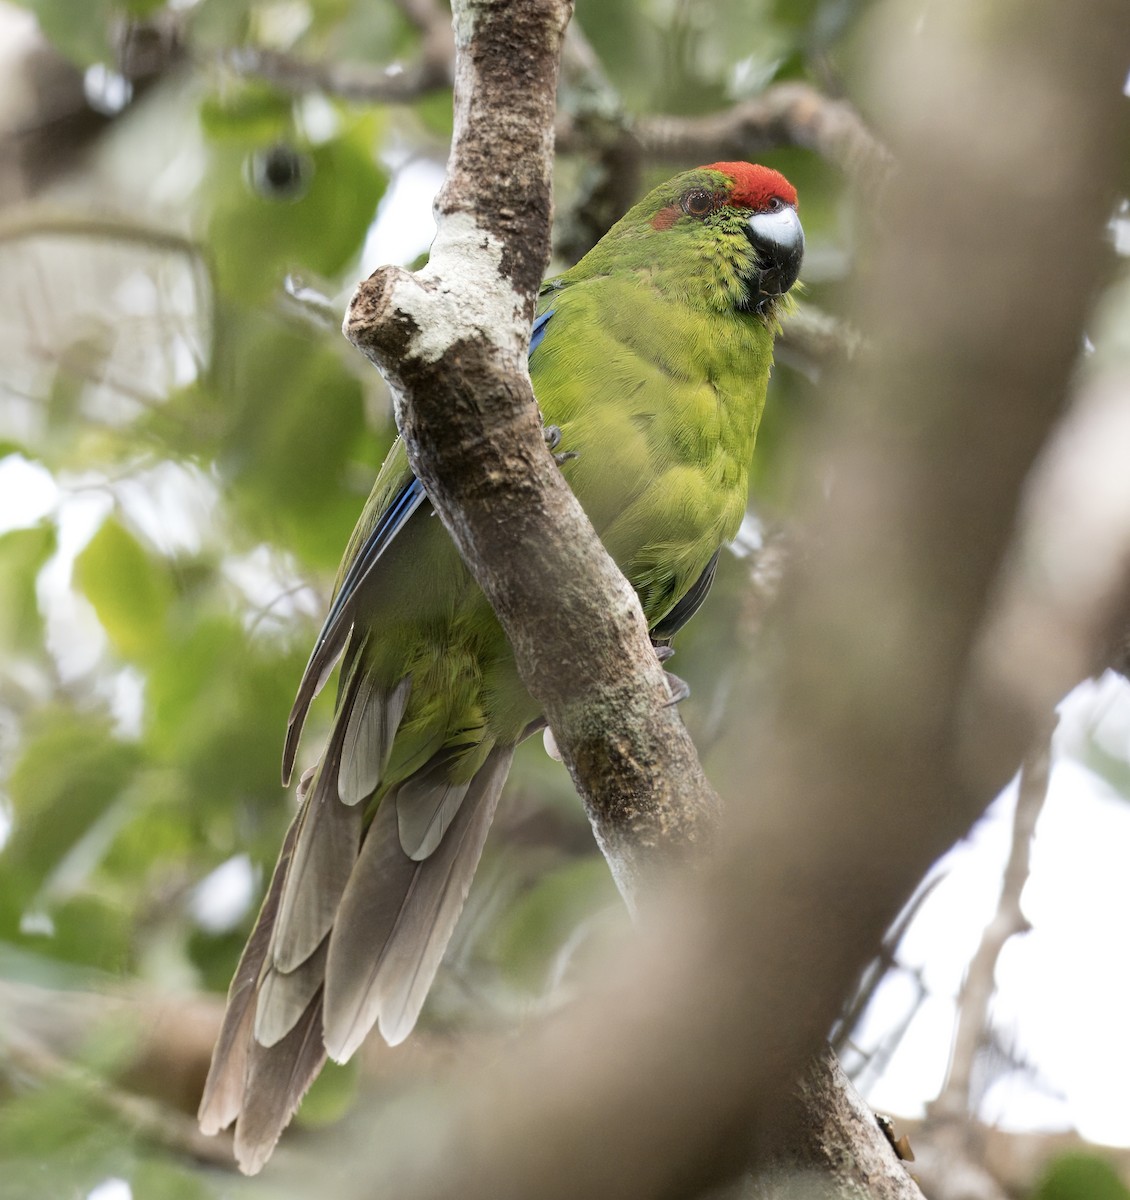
1063	988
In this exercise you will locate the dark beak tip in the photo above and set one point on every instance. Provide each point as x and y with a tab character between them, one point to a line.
780	252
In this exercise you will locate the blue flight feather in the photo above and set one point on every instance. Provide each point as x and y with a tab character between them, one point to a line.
410	497
538	331
394	520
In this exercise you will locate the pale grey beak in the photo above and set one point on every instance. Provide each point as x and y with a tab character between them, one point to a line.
779	241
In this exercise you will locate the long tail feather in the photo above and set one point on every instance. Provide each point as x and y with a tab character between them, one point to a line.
397	916
324	853
227	1075
373	722
318	669
285	995
338	625
426	804
277	1078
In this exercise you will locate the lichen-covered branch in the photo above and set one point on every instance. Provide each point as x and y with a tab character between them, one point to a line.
835	1144
452	342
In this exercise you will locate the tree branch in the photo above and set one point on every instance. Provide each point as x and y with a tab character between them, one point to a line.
452	343
953	1136
814	342
955	1102
836	1145
1061	610
786	114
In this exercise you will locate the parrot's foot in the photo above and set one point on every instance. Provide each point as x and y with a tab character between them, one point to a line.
678	688
552	435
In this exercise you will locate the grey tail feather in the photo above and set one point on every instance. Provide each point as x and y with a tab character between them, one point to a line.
225	1086
324	853
277	1078
426	804
370	728
322	661
397	916
285	995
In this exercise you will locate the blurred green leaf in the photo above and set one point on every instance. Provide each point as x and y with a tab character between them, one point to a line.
160	1180
70	775
70	770
290	418
331	1095
54	1132
130	589
436	113
250	112
22	554
218	709
259	235
79	31
143	8
530	935
92	931
1081	1177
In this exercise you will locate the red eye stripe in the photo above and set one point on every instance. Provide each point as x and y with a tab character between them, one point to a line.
666	217
754	186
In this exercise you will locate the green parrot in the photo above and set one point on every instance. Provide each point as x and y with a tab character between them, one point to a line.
649	361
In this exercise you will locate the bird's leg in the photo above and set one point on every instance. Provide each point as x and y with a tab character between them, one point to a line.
678	688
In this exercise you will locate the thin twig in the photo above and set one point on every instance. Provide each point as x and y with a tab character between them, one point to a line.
23	224
955	1100
25	1055
361	83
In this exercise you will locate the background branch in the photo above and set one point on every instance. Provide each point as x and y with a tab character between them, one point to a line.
786	114
952	1134
359	82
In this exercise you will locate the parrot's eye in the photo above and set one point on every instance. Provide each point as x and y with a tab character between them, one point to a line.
775	204
698	202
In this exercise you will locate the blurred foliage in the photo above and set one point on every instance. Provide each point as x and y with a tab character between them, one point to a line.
1081	1177
205	439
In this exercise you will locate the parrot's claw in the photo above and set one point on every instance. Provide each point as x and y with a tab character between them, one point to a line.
678	688
552	435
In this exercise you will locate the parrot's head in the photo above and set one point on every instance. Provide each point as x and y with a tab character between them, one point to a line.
728	232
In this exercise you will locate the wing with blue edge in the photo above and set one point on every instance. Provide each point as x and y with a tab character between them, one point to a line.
336	628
